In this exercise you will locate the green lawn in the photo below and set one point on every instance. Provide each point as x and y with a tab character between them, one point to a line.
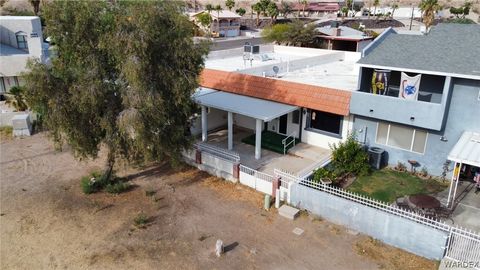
387	185
270	140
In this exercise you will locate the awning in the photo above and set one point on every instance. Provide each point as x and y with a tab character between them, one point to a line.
467	149
244	105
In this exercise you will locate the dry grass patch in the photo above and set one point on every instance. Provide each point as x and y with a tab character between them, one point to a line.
6	133
233	191
389	257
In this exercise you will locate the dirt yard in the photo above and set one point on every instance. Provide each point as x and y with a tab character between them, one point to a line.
46	222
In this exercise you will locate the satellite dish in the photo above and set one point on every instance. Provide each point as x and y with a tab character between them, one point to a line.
276	69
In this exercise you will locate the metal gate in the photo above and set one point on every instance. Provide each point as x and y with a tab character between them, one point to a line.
464	247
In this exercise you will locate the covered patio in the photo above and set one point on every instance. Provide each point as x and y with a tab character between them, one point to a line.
465	154
261	110
300	158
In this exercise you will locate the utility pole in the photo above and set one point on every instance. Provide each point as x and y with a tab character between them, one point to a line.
411	18
353	8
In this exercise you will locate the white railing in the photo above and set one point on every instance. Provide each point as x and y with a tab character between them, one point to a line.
305	172
259	181
219	152
464	246
292	140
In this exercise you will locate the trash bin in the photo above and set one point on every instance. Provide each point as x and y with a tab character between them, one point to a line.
376	157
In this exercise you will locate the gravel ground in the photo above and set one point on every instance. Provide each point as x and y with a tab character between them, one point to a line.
46	222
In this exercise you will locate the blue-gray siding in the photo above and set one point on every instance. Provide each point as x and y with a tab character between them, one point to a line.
462	113
394	230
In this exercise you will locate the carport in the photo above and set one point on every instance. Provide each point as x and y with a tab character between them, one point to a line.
261	110
465	152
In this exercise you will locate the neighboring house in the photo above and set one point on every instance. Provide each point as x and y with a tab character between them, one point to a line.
431	120
224	23
295	92
20	39
343	38
316	9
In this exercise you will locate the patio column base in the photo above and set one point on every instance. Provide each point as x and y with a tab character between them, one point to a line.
198	156
236	170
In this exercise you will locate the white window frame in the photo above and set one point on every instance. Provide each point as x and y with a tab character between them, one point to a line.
396	147
23	35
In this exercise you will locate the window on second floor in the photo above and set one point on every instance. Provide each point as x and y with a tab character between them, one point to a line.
22	41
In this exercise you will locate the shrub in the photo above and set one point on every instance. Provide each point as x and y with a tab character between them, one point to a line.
140	220
324	174
349	157
117	188
424	172
150	192
401	167
93	182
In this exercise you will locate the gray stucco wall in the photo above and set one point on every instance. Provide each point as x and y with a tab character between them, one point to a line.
394	230
462	114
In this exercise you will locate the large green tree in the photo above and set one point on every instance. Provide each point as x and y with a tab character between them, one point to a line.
122	79
295	33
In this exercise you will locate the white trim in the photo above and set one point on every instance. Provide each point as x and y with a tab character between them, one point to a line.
438	73
413	139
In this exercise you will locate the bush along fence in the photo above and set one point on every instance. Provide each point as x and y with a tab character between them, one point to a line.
401	228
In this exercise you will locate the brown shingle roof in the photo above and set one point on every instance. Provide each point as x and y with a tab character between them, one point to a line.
298	94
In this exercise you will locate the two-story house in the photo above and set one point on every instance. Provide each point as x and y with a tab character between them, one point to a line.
20	39
419	98
224	23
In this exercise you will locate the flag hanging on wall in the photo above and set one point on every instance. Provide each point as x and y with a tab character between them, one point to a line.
380	81
409	86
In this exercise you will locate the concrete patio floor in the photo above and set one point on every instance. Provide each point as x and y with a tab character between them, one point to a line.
467	211
298	158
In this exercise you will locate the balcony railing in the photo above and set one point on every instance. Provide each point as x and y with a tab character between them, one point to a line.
423	96
429	115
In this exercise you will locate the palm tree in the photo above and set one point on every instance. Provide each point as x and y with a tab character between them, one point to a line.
16	98
209	8
304	4
429	8
272	11
218	8
375	4
257	8
394	7
344	12
285	8
230	4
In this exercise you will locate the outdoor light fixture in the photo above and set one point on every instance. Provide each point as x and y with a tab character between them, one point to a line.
371	110
412	118
443	139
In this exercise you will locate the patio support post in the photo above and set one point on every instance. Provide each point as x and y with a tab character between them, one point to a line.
456	184
204	124
451	184
258	139
230	130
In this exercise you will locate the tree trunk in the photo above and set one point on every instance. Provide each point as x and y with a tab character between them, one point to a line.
107	175
258	19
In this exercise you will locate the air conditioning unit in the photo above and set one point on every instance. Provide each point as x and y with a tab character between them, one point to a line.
377	157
